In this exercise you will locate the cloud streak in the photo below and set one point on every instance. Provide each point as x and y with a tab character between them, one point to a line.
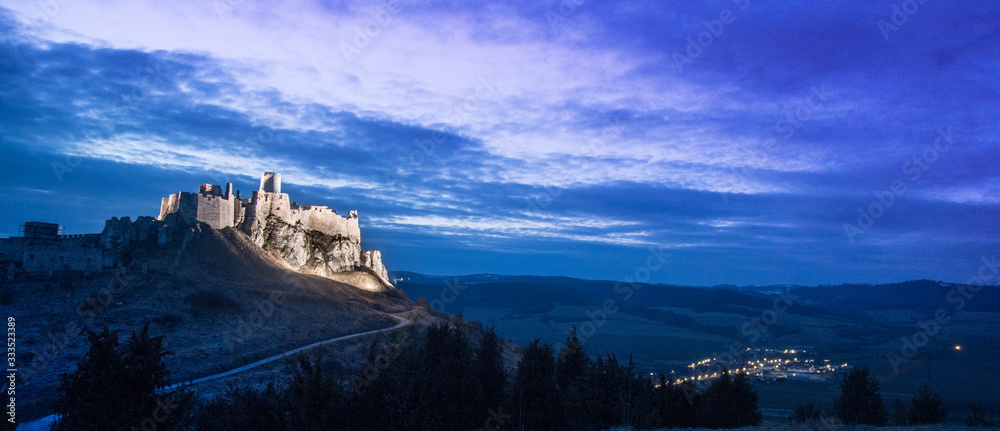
498	127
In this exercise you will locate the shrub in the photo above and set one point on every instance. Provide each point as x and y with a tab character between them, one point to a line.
860	402
900	414
806	413
927	407
977	416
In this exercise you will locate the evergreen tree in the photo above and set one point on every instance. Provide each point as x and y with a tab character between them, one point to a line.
977	416
676	405
636	400
87	398
860	402
114	387
314	400
245	409
144	370
604	383
730	403
490	378
927	407
805	414
572	363
900	414
387	400
443	382
535	399
571	368
612	395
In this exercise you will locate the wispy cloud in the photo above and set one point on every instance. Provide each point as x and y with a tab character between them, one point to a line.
490	125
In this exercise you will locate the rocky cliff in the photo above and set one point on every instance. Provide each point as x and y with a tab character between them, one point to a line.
308	238
315	252
304	250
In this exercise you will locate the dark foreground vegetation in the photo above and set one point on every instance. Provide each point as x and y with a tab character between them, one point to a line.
861	404
449	377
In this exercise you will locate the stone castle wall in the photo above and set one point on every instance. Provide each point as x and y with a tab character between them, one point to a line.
70	253
309	238
308	217
216	210
11	249
65	253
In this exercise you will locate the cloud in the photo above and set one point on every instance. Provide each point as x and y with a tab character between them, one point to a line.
529	126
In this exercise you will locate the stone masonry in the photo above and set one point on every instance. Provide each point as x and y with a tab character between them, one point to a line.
309	238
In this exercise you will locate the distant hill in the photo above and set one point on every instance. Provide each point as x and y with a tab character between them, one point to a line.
923	295
666	327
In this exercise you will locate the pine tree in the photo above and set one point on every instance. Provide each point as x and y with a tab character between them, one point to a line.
443	382
900	414
604	384
88	399
114	387
571	368
977	416
246	409
730	403
676	405
805	413
490	378
535	397
313	399
860	402
388	399
636	399
927	407
572	363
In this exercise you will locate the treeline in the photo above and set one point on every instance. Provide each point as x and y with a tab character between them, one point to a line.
861	404
437	380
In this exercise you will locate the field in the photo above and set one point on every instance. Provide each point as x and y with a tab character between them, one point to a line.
665	328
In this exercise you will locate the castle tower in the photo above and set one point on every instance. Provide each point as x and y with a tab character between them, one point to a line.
270	182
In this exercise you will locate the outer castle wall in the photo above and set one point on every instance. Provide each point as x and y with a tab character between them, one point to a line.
65	253
268	205
308	217
309	238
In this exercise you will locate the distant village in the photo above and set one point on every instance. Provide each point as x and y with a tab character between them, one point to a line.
764	364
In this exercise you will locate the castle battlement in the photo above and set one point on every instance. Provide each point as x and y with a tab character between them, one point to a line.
267	211
309	238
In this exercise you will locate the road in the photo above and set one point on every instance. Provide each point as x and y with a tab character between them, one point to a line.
44	423
402	322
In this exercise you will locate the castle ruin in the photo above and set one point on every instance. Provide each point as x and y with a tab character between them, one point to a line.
309	238
41	247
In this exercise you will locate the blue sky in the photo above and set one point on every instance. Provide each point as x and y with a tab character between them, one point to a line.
743	141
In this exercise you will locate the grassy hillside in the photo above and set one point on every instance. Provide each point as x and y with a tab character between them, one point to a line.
219	301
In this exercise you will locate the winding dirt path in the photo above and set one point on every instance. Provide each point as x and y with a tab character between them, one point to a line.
402	322
45	422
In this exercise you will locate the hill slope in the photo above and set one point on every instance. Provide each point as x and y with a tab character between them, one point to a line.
219	300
